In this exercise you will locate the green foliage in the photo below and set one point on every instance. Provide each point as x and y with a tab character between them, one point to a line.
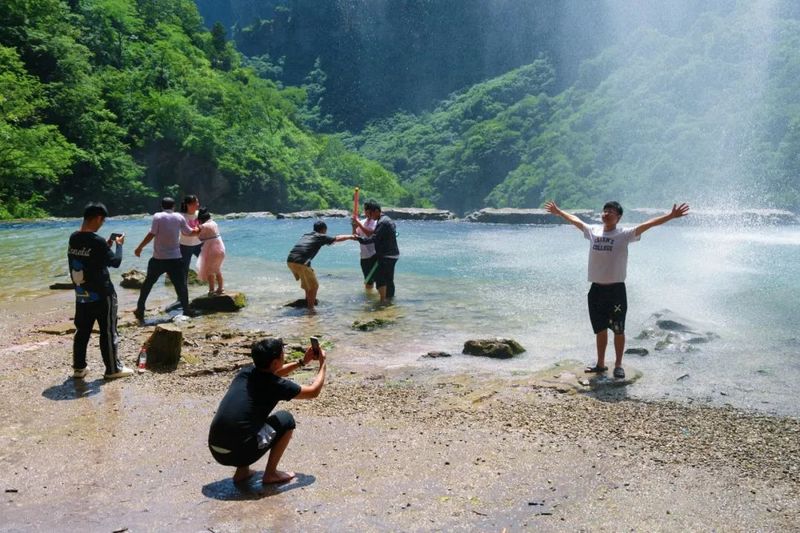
123	100
709	114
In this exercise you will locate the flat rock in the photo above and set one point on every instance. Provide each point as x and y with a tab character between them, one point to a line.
133	279
321	213
508	215
254	214
637	351
568	376
225	303
62	286
417	213
672	333
164	346
494	348
436	355
369	325
300	302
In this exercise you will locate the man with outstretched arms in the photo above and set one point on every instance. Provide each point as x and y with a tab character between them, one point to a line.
608	263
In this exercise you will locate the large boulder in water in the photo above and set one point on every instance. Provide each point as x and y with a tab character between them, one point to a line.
494	348
133	279
417	213
674	333
225	303
164	346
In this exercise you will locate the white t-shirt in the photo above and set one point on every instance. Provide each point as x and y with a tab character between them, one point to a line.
367	250
190	240
608	253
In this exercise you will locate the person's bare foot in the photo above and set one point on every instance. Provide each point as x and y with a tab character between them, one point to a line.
243	474
278	477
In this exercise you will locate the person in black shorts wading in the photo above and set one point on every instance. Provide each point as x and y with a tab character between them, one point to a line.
608	263
243	429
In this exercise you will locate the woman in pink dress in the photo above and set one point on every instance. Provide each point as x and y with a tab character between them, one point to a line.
212	254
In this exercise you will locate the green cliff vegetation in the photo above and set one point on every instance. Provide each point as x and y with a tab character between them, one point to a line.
124	100
709	114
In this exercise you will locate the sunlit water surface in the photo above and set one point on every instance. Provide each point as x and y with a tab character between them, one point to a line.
458	280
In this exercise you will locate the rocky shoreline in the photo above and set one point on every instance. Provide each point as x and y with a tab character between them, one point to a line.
382	448
697	217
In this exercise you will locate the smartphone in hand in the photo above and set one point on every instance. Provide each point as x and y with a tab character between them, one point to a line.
315	347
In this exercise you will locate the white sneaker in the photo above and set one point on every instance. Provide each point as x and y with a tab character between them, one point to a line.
80	373
124	373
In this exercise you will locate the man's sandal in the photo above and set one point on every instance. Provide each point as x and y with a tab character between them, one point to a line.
595	369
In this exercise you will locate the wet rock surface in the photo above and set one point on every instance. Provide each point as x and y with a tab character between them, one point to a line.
370	325
494	348
321	213
417	213
300	303
670	332
436	355
133	279
510	215
62	286
225	303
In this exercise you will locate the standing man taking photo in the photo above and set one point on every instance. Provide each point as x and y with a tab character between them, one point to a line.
89	257
608	263
166	230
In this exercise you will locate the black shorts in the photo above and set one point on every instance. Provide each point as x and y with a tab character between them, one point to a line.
249	452
366	267
608	305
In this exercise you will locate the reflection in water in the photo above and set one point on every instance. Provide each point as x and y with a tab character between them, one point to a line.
253	489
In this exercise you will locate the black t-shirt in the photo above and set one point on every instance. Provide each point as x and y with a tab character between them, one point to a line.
308	246
246	406
89	258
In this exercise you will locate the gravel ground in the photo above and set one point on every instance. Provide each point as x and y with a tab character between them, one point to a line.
379	450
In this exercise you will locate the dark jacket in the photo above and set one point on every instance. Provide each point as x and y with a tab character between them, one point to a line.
384	238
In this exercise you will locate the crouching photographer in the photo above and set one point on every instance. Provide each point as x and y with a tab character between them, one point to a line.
245	428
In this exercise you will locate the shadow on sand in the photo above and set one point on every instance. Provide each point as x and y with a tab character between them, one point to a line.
253	489
73	389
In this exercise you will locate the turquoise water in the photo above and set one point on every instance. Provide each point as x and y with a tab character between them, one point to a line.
457	281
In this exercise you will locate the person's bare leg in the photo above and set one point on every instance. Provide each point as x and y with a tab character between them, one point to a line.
382	292
602	341
272	474
210	284
242	473
619	348
311	298
220	283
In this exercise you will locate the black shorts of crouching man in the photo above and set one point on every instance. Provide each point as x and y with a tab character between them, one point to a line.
608	305
251	450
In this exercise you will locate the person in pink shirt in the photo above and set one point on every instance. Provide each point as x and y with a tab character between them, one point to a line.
209	264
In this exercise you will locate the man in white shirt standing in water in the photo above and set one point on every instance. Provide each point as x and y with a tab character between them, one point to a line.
608	262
